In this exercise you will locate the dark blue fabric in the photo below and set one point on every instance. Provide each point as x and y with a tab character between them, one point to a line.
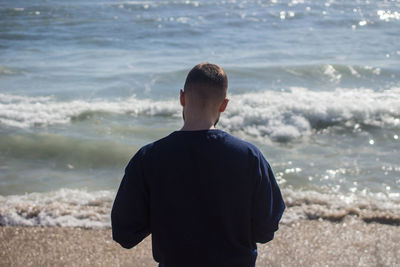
205	196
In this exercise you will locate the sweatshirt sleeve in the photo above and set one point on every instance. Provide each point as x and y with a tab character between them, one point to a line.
130	211
268	205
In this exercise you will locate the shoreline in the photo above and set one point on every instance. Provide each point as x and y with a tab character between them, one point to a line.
306	243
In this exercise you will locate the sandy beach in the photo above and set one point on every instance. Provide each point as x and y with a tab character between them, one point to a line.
304	243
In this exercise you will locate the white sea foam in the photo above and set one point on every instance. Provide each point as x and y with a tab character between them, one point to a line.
281	116
388	15
81	208
369	207
24	112
65	207
332	73
300	112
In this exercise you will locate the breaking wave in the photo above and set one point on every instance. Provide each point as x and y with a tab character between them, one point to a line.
368	207
284	116
24	112
281	116
81	208
65	207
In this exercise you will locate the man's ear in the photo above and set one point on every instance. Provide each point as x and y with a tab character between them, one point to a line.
222	107
182	97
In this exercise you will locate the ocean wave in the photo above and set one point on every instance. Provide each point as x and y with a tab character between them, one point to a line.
279	115
288	115
368	207
70	152
328	73
25	112
81	208
4	71
65	207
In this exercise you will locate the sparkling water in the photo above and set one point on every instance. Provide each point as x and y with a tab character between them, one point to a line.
84	84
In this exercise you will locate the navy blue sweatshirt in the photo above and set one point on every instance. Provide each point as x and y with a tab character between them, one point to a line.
206	198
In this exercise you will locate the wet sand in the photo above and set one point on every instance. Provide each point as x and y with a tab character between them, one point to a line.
304	243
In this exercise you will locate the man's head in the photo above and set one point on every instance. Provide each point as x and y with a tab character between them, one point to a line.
207	83
205	90
204	95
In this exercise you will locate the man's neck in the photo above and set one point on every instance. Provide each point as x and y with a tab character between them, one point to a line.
196	120
197	126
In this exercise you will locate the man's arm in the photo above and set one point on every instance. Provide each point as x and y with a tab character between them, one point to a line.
130	212
268	204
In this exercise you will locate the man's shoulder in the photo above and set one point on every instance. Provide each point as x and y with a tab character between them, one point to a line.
148	148
218	136
240	142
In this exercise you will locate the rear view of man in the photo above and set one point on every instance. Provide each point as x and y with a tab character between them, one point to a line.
205	196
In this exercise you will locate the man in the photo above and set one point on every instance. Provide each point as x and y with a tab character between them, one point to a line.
205	196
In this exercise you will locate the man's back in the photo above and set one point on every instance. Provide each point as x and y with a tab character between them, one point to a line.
205	196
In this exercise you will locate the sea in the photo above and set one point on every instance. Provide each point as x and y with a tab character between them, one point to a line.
84	84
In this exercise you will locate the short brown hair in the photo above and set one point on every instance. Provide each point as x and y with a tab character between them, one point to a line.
208	82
